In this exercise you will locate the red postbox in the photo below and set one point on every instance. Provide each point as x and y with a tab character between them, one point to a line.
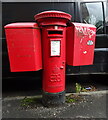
53	24
80	44
24	46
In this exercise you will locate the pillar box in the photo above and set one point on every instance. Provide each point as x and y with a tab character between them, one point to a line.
80	44
24	46
53	24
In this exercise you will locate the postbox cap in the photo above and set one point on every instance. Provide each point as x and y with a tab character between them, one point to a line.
22	25
53	14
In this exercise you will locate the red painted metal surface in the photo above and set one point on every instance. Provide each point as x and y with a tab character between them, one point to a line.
54	65
52	18
54	49
24	46
80	44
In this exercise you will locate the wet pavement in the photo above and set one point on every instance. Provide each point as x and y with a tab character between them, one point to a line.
92	105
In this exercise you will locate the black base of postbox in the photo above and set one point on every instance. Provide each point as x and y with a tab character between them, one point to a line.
53	99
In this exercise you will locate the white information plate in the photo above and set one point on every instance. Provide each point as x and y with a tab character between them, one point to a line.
55	47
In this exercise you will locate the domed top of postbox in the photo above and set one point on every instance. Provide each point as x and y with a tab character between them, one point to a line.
52	18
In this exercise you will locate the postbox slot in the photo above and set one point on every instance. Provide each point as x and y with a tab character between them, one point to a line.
55	32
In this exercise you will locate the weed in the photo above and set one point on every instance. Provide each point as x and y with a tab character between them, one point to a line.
73	98
78	88
30	102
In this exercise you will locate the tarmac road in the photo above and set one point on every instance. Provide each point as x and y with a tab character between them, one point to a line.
93	106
